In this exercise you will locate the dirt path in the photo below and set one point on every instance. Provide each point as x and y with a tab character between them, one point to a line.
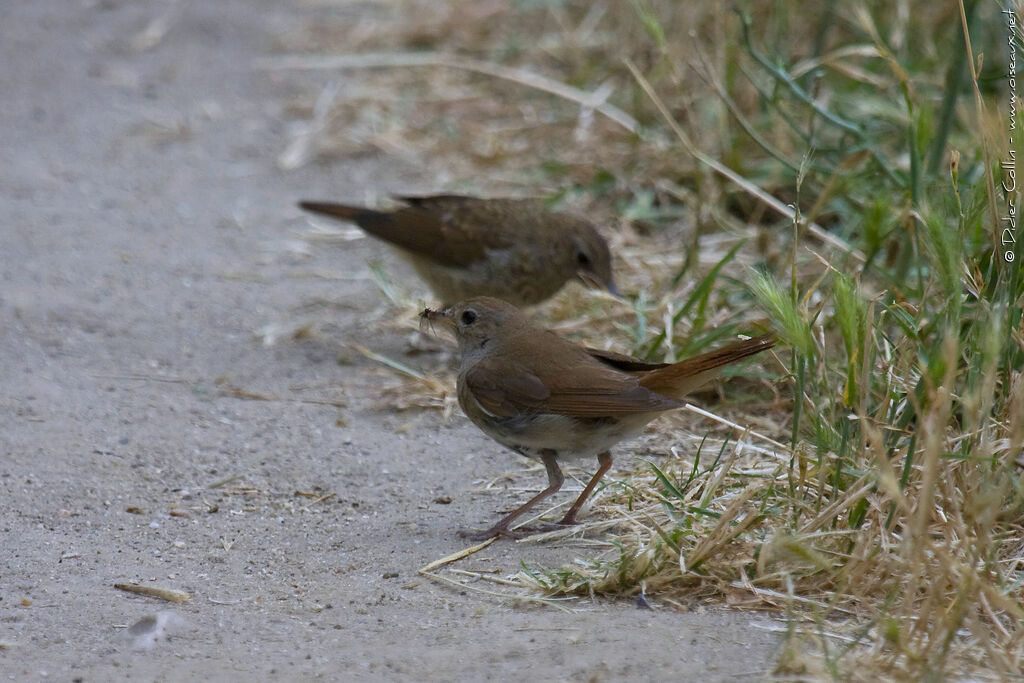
148	251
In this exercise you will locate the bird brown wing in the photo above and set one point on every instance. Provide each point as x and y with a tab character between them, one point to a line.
448	230
473	225
504	388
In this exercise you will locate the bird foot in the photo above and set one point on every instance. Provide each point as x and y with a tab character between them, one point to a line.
518	532
493	532
557	526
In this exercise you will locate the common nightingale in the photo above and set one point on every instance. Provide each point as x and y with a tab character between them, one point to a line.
549	399
512	249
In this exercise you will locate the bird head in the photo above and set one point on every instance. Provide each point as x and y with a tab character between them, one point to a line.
477	322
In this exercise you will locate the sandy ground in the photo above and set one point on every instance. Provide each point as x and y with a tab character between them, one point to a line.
148	236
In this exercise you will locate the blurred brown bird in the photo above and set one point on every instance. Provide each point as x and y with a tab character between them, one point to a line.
547	398
512	249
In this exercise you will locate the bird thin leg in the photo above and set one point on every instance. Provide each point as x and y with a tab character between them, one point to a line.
605	461
555	480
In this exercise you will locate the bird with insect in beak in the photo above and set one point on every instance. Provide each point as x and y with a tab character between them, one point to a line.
514	249
549	399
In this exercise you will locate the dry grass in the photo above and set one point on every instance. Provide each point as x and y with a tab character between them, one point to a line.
825	165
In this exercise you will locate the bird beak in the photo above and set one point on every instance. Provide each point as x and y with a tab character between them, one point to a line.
429	317
591	280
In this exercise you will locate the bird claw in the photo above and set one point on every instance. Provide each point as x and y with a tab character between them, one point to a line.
480	536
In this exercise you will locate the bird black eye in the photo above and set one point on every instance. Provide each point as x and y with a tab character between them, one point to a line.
468	317
582	259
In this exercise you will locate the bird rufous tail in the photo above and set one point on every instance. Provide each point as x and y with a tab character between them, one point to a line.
679	379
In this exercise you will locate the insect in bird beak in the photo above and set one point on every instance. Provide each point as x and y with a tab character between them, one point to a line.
429	316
